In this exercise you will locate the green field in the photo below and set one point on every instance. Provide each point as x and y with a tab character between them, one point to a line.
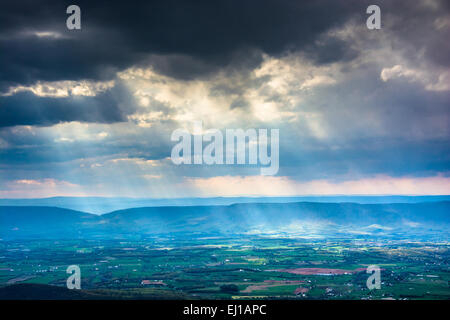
238	268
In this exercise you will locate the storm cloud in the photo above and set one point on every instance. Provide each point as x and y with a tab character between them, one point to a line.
28	109
195	37
95	107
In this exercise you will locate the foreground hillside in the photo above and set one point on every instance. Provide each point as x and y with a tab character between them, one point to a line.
31	291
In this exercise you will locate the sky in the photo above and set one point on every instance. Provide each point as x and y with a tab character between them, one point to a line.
90	112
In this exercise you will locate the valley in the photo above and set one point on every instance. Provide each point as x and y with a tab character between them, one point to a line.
231	268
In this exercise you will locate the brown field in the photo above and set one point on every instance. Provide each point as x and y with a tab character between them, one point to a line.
268	284
318	271
300	290
19	279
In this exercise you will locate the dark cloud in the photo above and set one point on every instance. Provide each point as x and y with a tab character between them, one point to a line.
25	108
27	59
186	38
329	50
415	29
34	148
362	157
395	127
187	67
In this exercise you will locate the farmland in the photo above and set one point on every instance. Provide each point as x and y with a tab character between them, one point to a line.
252	267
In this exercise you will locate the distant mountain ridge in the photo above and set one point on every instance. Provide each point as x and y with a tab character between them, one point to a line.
101	205
18	222
29	222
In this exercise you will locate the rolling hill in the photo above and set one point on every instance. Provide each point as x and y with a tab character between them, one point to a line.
101	205
245	218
